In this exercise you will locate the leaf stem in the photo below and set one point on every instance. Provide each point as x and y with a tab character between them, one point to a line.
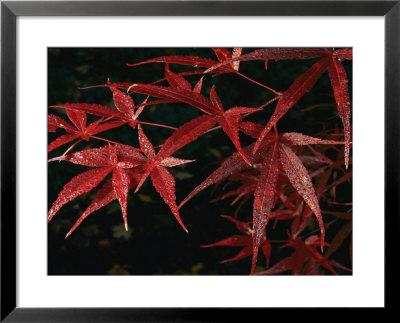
69	149
268	102
156	125
106	140
258	83
212	129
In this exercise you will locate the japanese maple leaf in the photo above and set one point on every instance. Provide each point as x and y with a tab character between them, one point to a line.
306	249
78	128
339	82
194	61
303	258
105	159
162	180
330	60
275	54
179	82
321	187
298	174
304	83
124	103
94	109
264	198
299	87
181	91
106	195
228	63
244	241
173	94
245	190
126	111
276	154
223	54
235	163
229	120
280	155
232	164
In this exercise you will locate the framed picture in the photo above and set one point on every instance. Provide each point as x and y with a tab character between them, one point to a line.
321	73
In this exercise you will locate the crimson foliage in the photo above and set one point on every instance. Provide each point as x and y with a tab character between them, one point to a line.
286	174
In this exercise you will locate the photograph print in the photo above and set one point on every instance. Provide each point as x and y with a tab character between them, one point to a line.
200	161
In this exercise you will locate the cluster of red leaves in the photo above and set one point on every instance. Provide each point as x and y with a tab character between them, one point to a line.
285	172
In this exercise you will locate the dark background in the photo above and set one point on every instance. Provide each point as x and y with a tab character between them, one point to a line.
155	243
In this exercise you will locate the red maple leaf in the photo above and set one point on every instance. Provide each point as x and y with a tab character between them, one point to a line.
186	60
242	192
275	156
155	166
305	83
305	251
275	54
115	159
228	62
337	75
299	87
244	241
228	120
105	196
126	112
78	128
224	54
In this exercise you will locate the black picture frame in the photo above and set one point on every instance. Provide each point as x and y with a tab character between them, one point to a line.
10	10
